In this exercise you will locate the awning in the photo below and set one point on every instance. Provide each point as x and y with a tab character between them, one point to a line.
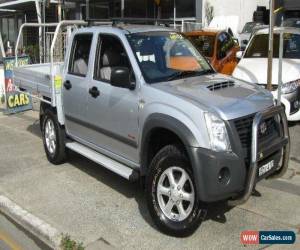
12	3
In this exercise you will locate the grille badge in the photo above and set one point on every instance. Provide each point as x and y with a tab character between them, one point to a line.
263	128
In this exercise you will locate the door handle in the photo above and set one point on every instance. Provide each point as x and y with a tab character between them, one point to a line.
94	92
67	85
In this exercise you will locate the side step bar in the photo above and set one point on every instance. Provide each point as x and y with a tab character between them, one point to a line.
104	161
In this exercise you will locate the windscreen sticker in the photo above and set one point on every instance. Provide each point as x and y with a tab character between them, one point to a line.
58	82
175	36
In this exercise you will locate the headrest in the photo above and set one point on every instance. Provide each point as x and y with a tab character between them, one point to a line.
110	58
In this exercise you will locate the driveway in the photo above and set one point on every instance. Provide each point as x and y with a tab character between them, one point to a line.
100	208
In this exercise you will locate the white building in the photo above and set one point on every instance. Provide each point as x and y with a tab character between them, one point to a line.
241	9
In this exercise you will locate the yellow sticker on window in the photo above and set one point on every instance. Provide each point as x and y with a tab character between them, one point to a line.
175	36
58	82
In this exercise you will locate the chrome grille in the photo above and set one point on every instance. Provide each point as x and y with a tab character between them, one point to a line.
244	130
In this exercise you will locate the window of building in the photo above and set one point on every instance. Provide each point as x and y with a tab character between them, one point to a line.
80	54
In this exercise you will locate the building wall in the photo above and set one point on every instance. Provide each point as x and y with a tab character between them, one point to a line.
242	8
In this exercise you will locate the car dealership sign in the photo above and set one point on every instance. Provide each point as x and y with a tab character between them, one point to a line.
15	101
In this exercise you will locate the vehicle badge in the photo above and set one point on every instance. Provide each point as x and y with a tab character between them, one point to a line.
263	128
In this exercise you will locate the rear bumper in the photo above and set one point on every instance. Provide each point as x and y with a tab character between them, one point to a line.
221	175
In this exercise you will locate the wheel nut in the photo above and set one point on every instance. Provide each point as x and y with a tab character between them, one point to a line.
177	202
178	187
181	196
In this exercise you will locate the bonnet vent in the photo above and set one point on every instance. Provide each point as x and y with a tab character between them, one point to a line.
220	85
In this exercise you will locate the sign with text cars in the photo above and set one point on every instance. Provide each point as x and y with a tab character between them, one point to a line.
15	101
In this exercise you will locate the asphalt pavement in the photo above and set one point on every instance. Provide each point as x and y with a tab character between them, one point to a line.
103	210
14	237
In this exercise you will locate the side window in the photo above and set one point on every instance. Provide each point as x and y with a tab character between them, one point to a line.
79	58
110	55
225	43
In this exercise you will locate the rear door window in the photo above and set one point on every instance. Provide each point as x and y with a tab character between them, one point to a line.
80	55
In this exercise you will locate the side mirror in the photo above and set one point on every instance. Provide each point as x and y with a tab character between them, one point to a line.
120	77
239	55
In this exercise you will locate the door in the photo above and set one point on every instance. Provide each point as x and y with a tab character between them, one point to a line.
112	111
76	84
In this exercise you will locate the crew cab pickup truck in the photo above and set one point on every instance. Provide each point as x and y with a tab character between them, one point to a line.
194	136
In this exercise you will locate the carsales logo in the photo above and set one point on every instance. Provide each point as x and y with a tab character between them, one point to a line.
267	237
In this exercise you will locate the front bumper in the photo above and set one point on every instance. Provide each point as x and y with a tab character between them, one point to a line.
222	175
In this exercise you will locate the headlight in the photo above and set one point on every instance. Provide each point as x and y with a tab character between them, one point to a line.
219	140
290	87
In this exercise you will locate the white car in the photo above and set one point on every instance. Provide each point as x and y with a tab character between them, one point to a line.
254	63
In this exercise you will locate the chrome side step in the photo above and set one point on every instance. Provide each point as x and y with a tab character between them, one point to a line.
104	161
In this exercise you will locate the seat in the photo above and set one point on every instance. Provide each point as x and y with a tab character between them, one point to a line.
110	59
81	63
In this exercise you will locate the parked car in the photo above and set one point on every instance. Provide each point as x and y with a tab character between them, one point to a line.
253	66
246	33
189	134
219	47
292	22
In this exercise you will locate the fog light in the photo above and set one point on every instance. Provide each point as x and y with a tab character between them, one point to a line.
296	104
224	176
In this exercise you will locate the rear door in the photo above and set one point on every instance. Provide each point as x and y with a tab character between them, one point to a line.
75	86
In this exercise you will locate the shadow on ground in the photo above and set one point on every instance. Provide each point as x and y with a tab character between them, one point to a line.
213	211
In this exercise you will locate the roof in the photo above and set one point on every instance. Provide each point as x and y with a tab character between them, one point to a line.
207	32
278	29
126	28
132	28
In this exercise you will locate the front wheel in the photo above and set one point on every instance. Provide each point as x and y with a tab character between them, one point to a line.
171	193
53	138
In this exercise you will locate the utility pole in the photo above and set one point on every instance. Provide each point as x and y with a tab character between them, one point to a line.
122	8
271	39
2	50
59	11
280	65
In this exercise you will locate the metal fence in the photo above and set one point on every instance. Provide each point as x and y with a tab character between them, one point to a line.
60	48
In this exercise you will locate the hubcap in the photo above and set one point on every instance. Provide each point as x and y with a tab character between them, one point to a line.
175	194
50	136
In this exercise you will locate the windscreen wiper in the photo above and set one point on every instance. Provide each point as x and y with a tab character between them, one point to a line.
189	73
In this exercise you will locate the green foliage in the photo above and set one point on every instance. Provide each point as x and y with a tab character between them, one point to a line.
68	244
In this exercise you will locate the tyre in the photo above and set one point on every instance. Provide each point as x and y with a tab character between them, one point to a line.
53	138
171	193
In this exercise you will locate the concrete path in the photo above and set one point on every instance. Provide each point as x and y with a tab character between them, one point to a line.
101	209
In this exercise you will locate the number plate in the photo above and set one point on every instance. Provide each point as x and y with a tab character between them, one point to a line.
265	168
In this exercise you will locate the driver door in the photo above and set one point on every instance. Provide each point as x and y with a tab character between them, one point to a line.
113	111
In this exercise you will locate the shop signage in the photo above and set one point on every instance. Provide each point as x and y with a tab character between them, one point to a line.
15	101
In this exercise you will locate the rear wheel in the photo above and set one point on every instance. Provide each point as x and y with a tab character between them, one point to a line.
171	193
53	138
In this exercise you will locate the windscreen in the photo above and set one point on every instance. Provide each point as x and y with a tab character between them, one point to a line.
204	43
260	43
166	56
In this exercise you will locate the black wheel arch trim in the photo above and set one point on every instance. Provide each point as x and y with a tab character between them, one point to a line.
156	121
